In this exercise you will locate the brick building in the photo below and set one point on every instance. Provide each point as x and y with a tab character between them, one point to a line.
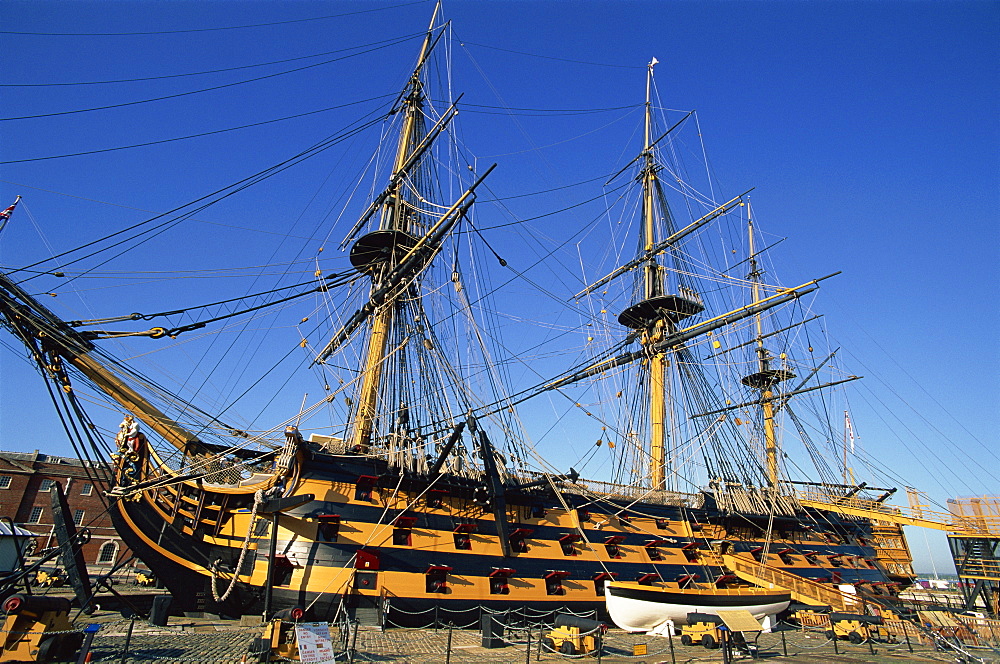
26	480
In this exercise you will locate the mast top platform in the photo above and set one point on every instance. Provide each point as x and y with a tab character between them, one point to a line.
376	249
673	308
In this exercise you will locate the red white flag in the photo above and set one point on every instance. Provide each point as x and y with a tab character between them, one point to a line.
5	215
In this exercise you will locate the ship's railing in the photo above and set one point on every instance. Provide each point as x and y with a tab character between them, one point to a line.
627	492
984	511
753	500
919	515
972	566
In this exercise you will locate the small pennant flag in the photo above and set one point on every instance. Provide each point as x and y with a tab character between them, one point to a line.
849	428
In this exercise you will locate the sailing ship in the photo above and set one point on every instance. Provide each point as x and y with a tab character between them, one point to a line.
425	492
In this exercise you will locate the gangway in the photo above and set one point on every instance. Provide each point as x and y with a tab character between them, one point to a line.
802	589
914	515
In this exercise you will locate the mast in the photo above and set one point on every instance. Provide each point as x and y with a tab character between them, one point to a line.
653	288
378	252
657	314
765	378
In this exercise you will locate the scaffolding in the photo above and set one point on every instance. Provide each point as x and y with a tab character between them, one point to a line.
977	556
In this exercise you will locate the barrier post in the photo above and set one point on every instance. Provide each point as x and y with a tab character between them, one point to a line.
670	640
784	646
88	639
128	640
527	649
448	649
354	641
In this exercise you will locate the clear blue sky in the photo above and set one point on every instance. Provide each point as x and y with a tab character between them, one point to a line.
869	129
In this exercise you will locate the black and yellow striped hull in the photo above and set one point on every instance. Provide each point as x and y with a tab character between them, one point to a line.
370	538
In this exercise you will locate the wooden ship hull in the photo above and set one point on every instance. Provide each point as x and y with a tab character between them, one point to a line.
361	538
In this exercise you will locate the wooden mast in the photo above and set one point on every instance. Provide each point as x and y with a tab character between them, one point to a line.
653	288
656	315
766	378
396	221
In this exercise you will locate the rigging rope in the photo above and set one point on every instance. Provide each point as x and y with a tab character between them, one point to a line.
258	500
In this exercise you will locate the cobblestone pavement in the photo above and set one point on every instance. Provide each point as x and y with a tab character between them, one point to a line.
198	641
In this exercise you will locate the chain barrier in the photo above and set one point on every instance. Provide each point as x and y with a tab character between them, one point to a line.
511	632
395	625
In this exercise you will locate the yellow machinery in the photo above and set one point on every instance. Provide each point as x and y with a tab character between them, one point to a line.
145	579
855	627
37	629
702	628
278	643
574	636
707	629
52	578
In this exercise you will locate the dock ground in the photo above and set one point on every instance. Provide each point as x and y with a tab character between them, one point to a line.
203	640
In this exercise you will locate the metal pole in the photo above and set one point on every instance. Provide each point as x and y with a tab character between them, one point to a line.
271	558
354	641
906	633
128	640
670	640
784	646
527	649
448	650
835	650
88	639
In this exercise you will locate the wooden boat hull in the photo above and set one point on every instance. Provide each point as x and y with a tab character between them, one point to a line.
645	608
392	535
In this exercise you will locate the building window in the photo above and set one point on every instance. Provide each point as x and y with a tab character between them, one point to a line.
5	481
36	515
47	485
78	517
87	489
107	554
